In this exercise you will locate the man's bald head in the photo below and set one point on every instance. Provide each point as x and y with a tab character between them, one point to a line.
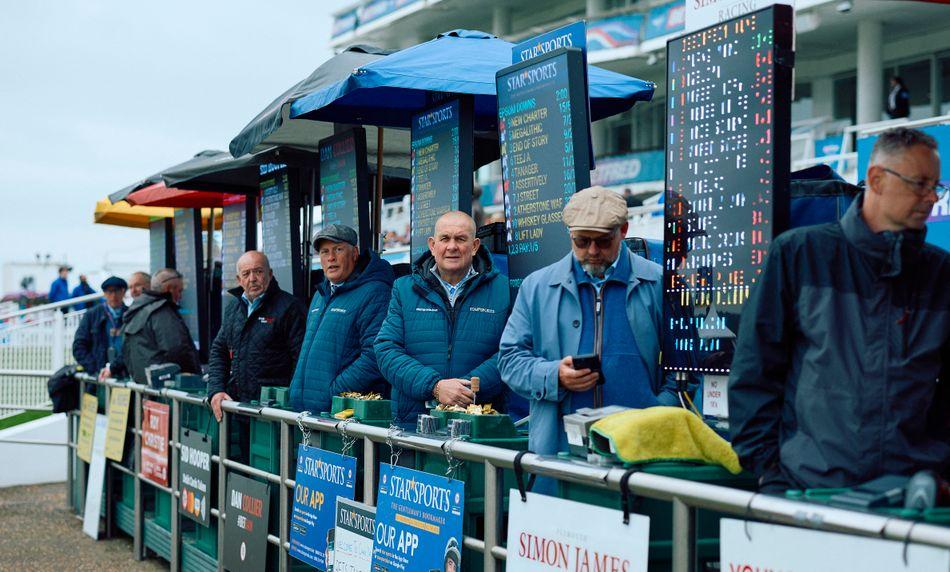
455	217
453	245
254	273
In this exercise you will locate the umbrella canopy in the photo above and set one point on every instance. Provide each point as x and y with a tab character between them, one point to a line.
124	214
158	195
388	91
272	126
200	158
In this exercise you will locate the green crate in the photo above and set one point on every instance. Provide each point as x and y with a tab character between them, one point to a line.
204	538
125	519
158	539
661	512
378	410
194	559
126	492
823	496
265	445
199	418
163	509
483	426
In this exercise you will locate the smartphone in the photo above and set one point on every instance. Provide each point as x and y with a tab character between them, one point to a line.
591	362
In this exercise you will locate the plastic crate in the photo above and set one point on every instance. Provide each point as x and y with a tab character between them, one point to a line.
158	539
661	512
163	509
125	518
204	538
823	496
364	410
195	559
483	426
199	418
126	492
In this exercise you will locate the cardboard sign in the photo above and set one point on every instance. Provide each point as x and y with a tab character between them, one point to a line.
154	460
245	528
118	422
418	521
321	477
87	426
542	538
352	546
749	546
716	396
97	472
194	476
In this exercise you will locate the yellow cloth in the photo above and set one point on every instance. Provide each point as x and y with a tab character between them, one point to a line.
661	434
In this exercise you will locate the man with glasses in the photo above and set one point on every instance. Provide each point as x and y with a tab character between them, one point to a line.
841	371
260	336
345	314
599	299
154	331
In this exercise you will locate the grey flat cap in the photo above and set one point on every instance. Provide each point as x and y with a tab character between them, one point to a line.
336	233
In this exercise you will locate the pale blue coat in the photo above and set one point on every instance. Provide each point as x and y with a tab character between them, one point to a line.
531	346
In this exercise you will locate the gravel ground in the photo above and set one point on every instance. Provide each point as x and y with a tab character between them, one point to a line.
40	533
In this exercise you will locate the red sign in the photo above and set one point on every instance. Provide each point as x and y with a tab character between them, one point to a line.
155	442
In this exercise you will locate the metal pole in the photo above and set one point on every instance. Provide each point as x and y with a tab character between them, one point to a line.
110	478
369	472
222	486
59	340
378	199
172	499
684	537
138	545
285	452
70	460
493	513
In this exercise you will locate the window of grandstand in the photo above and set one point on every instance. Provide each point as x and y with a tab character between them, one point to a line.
845	98
943	83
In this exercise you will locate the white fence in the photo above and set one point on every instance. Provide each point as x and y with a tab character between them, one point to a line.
34	343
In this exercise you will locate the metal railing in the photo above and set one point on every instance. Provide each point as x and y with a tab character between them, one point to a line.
686	496
34	343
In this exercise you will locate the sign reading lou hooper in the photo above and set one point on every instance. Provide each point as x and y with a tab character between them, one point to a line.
188	264
543	131
344	183
277	220
154	461
352	547
245	528
441	156
418	520
727	179
322	477
194	476
541	539
233	238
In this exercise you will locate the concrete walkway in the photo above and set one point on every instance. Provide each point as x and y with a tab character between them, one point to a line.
39	533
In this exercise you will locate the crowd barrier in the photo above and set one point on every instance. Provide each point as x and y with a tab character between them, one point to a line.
149	514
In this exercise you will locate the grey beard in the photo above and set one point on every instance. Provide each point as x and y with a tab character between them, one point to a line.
597	270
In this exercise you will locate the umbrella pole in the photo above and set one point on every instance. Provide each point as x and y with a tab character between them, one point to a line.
378	198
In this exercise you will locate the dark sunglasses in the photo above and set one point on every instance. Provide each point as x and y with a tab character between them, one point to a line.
603	242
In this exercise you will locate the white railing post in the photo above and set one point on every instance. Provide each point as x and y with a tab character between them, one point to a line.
59	340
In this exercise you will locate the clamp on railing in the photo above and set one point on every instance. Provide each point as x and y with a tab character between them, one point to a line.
305	431
626	503
452	464
348	440
519	476
394	450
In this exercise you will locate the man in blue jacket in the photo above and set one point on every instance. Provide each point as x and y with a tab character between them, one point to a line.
59	289
444	323
599	299
345	315
97	345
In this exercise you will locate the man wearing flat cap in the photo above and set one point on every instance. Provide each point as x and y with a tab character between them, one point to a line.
601	299
97	345
345	314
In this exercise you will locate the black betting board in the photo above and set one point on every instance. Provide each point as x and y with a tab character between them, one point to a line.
188	264
442	154
727	178
280	225
245	529
161	252
233	238
344	182
543	130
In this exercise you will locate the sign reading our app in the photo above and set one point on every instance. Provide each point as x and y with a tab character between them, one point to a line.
541	539
352	546
87	426
194	476
751	546
154	460
118	421
322	476
245	525
418	521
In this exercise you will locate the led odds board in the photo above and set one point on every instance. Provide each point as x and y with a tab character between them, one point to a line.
727	178
344	183
543	131
280	225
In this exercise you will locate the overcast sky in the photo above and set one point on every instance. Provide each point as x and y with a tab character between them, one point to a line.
95	95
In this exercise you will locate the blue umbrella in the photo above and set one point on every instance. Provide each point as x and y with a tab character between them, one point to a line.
388	91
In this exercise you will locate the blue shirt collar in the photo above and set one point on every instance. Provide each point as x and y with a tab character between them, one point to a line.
251	306
453	291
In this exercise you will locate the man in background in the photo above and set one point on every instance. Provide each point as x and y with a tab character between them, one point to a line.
97	345
83	289
138	282
59	289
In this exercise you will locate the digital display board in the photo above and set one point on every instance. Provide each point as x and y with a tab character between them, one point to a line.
344	183
280	226
543	131
234	238
442	152
727	178
161	253
188	264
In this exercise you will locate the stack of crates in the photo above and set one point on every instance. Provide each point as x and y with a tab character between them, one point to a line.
158	521
496	431
661	512
199	544
125	505
936	515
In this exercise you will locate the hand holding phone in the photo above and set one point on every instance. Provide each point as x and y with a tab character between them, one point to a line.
575	378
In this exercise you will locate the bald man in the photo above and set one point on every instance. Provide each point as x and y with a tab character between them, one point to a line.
260	336
444	323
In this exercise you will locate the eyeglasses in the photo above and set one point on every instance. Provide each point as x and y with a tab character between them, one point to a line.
603	242
921	188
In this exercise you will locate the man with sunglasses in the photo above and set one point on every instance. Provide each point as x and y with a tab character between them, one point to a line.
601	299
842	367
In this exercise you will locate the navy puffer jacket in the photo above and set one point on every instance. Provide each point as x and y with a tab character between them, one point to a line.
424	339
337	352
